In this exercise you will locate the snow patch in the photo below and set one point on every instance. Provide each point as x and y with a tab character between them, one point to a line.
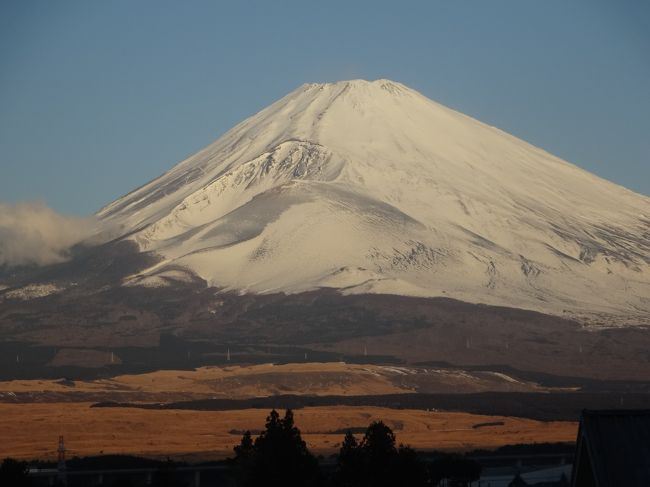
32	291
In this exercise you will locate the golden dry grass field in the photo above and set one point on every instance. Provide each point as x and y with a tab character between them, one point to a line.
33	413
31	430
240	382
233	382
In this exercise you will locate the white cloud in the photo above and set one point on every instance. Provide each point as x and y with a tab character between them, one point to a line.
33	234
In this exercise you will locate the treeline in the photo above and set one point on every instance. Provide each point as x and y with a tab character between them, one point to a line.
280	457
14	473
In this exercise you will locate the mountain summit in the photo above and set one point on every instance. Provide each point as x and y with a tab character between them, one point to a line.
370	187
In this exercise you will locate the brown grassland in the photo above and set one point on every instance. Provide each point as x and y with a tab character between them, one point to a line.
31	430
246	381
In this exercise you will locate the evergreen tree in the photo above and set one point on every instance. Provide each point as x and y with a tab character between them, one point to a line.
410	470
245	447
350	462
277	457
244	459
377	462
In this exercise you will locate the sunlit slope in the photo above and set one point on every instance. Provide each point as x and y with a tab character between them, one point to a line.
372	187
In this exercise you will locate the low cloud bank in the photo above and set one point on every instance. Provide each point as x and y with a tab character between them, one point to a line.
34	234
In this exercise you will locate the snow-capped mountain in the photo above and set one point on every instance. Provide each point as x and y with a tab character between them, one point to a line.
370	187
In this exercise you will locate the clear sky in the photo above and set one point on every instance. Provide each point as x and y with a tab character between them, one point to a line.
98	97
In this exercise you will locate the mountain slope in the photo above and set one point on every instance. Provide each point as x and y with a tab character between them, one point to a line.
372	187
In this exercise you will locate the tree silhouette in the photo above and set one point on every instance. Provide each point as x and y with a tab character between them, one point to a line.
14	473
123	481
460	471
410	470
244	460
517	481
245	447
377	462
277	457
379	442
350	462
166	476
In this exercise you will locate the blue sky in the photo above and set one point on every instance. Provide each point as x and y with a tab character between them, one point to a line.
97	98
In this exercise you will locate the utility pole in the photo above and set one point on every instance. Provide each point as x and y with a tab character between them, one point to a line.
62	477
228	355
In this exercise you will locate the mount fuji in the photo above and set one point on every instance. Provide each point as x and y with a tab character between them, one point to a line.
370	187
